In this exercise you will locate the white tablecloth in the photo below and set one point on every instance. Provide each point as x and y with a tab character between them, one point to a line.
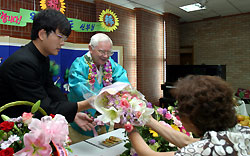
85	148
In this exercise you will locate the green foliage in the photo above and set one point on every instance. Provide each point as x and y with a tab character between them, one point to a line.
35	107
241	94
4	117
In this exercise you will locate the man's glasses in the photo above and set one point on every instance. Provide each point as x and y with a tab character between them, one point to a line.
62	37
103	52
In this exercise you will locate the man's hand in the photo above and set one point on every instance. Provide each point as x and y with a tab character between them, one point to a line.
84	121
86	104
91	100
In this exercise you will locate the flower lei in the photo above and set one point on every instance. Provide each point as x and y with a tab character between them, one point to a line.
107	72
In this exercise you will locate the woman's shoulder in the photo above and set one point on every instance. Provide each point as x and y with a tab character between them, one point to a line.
240	129
231	142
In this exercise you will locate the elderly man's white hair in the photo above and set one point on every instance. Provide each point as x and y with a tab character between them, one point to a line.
99	37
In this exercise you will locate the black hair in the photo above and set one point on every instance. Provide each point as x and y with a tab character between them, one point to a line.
50	20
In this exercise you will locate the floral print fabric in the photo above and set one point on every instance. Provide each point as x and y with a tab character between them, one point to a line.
235	141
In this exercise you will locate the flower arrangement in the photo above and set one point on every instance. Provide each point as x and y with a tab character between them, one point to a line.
26	136
121	103
167	117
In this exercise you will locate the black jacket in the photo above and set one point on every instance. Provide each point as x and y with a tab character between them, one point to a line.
25	76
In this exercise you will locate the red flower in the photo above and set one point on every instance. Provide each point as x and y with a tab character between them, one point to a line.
6	126
52	115
7	152
138	114
128	127
92	81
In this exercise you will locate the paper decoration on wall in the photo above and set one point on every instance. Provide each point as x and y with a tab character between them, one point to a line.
26	16
55	70
11	18
59	5
109	20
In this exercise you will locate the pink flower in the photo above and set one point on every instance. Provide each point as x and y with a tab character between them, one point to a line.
168	116
124	103
108	75
56	129
165	124
37	126
98	122
128	127
127	96
160	110
59	129
93	76
177	123
35	145
124	96
183	130
27	117
92	81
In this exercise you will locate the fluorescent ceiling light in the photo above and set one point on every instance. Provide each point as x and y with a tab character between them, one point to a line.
193	7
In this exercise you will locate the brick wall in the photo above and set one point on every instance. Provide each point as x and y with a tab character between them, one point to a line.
74	9
149	35
222	41
13	5
123	36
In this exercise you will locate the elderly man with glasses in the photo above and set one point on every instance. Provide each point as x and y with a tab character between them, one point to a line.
93	71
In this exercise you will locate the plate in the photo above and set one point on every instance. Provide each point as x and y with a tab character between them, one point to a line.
111	141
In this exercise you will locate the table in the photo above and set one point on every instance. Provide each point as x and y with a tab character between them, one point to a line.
88	148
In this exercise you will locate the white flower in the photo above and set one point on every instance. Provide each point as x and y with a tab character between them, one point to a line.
110	115
177	122
145	114
5	144
137	104
13	138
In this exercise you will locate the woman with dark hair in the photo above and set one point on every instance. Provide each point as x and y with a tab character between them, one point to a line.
205	107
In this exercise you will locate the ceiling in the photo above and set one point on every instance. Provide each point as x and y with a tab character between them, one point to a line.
215	8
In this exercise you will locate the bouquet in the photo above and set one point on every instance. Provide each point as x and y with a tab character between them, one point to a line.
121	103
26	136
167	117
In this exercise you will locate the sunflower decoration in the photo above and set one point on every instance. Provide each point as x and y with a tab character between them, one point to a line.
109	20
60	6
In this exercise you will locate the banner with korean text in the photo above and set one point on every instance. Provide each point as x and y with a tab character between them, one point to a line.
26	16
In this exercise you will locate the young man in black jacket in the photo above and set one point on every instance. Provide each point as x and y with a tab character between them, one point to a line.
25	75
